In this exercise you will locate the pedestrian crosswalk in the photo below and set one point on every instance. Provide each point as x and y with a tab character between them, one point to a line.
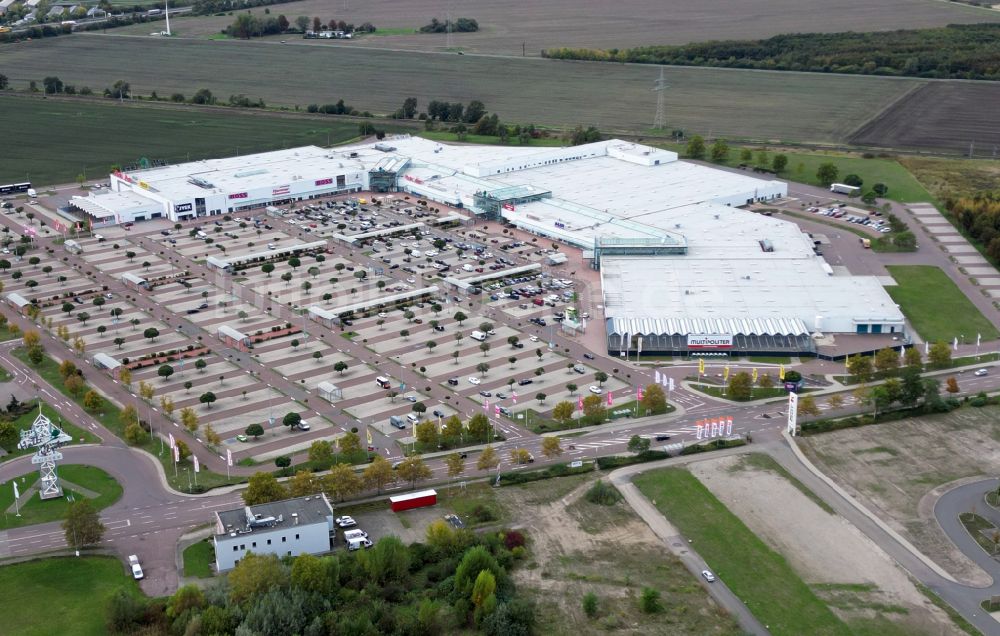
618	441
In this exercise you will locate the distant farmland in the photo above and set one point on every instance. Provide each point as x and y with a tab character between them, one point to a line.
768	106
940	115
506	25
53	141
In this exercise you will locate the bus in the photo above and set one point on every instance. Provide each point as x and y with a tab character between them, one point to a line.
843	188
15	188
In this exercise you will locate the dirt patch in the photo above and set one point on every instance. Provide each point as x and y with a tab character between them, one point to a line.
926	119
845	568
896	470
578	547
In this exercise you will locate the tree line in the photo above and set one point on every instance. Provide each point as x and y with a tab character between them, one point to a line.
979	215
461	25
957	51
456	581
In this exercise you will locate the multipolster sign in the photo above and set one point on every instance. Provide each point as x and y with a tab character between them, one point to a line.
239	195
718	341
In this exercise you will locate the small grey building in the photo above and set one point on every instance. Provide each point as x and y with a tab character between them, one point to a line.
283	528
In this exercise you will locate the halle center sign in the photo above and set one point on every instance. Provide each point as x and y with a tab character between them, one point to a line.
718	341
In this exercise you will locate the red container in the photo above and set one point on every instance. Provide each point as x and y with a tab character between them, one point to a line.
412	500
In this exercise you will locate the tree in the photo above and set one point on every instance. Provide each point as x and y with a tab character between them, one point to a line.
165	371
302	22
321	452
653	399
460	318
826	173
779	163
267	268
455	464
880	189
207	398
550	447
807	406
593	409
740	386
255	574
254	430
488	459
886	359
151	333
482	368
189	419
74	384
720	151
637	444
413	469
939	355
563	412
125	376
601	377
835	401
483	589
912	358
861	368
512	341
696	147
263	488
211	436
479	427
92	401
283	462
378	474
82	524
427	433
951	385
853	180
341	482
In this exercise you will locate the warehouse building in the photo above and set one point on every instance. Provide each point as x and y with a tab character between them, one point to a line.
683	268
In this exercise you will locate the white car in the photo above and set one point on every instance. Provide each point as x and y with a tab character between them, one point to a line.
382	314
533	338
133	562
346	521
981	372
473	380
596	390
708	576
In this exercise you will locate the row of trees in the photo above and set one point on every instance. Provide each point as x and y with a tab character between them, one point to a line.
457	581
979	215
461	25
957	51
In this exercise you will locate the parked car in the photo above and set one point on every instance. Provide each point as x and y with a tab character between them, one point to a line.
346	521
133	562
473	380
596	390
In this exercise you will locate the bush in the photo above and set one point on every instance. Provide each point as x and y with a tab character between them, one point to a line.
649	602
717	444
590	604
513	539
603	493
607	463
483	513
556	470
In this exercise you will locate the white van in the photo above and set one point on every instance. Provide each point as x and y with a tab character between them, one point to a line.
355	534
412	418
467	267
32	193
415	254
358	543
478	335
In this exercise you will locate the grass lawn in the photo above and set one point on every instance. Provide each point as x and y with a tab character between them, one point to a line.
23	422
923	291
109	417
450	137
198	559
755	573
169	133
802	167
770	359
62	596
976	526
37	511
757	394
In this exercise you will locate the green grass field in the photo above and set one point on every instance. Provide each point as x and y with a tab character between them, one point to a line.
95	134
80	436
62	596
765	106
935	306
754	572
198	559
37	511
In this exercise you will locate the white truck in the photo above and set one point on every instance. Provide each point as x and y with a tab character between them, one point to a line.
843	188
